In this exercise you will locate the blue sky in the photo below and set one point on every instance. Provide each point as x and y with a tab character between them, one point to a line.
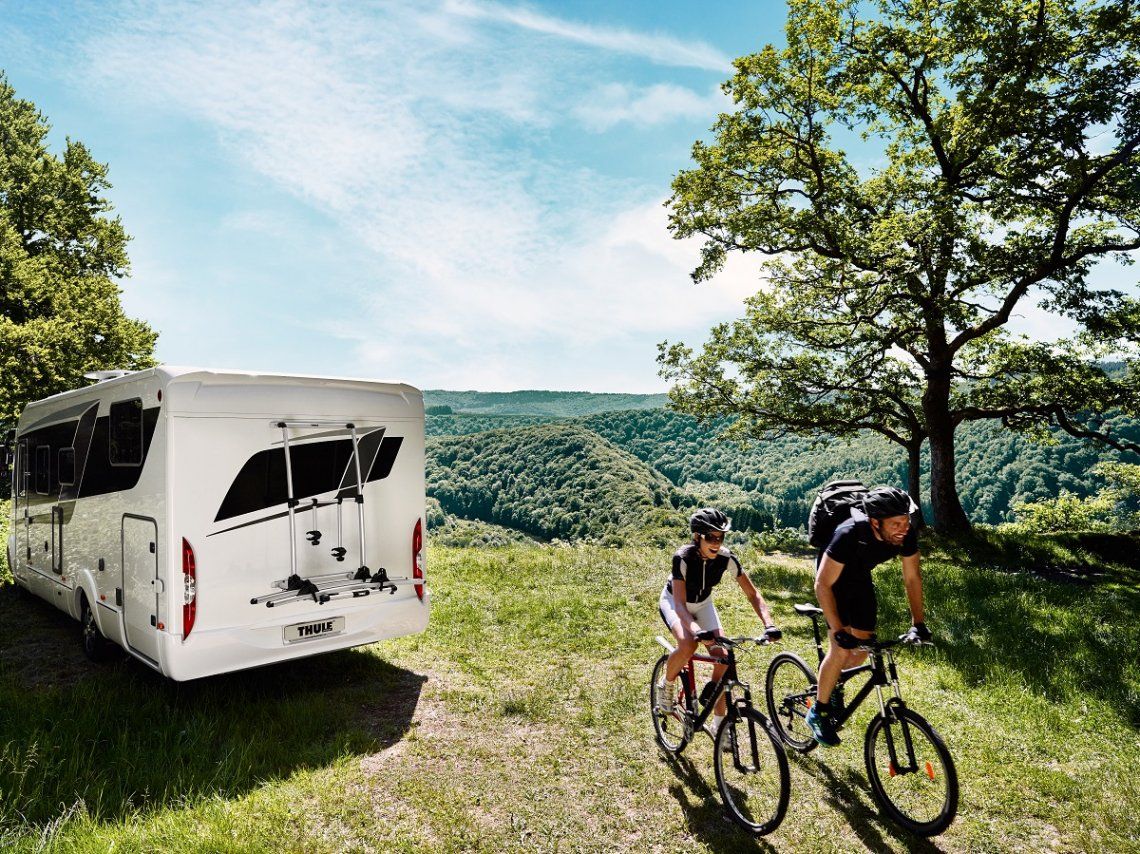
459	194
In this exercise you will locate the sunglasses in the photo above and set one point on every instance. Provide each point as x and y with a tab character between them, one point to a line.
713	538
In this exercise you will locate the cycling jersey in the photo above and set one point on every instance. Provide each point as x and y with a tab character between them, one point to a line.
855	546
700	575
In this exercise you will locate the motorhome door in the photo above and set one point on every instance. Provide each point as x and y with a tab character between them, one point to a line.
141	584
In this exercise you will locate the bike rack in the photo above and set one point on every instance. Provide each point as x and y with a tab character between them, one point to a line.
323	588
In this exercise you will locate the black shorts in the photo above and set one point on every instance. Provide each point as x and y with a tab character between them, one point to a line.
855	599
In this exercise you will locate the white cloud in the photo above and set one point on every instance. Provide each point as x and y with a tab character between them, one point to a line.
489	264
661	49
614	103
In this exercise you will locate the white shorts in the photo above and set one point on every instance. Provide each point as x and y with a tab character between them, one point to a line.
703	612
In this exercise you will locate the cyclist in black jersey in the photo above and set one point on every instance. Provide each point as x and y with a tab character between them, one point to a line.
846	592
686	603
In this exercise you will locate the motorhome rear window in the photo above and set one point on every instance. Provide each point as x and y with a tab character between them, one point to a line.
66	467
125	433
43	469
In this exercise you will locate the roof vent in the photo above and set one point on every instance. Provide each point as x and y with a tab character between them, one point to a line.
103	376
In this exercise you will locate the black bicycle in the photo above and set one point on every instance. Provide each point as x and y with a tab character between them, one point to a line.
910	768
751	768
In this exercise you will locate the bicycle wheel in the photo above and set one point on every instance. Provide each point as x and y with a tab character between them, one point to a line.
669	728
790	690
751	772
915	782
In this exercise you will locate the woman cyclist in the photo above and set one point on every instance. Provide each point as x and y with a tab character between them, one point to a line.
686	601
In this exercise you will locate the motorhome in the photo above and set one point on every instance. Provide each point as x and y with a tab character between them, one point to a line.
208	521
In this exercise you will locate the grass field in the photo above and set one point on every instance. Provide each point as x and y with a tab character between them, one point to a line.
519	721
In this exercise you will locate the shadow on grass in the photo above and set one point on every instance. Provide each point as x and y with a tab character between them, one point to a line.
705	813
844	794
1054	613
122	739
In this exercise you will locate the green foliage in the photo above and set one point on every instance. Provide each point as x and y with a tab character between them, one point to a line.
461	424
61	253
1005	169
1113	509
550	481
556	404
437	410
5	526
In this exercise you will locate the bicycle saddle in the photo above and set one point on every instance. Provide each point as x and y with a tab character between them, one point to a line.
808	610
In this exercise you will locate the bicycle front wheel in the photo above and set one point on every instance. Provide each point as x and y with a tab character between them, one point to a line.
790	690
752	772
669	728
911	771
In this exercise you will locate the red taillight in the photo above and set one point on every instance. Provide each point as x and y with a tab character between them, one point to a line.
189	589
418	556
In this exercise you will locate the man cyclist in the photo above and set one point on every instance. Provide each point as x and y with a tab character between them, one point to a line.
686	603
846	592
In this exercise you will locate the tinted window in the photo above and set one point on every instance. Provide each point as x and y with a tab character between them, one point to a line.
43	469
125	433
66	467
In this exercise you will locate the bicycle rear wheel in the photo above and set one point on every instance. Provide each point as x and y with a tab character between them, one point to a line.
790	690
911	771
751	772
670	729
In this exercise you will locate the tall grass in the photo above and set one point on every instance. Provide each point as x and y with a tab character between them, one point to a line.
518	720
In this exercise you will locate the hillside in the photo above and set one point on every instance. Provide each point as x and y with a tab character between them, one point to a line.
560	404
550	481
763	486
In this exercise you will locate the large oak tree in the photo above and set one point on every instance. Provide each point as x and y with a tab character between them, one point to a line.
993	165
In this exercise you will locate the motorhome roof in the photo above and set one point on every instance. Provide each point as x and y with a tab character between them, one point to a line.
171	374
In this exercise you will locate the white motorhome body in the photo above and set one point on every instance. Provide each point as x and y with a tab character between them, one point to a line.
209	521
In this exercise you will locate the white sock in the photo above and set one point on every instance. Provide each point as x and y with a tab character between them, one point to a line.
716	719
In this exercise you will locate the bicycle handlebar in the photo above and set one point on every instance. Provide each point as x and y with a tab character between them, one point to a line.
735	642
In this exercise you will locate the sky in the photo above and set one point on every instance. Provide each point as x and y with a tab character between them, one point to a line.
457	194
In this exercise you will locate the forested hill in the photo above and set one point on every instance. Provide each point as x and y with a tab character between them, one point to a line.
598	474
550	481
559	404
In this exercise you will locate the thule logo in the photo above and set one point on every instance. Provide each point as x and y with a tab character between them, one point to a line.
309	631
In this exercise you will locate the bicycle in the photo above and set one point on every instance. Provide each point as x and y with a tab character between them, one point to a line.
751	768
920	787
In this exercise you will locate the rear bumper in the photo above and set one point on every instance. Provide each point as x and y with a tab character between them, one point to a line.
367	620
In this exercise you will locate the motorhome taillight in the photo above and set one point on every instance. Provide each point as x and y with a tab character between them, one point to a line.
418	556
189	588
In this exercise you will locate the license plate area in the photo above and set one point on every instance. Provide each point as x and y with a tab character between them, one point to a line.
326	628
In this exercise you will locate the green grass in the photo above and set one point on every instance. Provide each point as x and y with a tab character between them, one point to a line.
518	721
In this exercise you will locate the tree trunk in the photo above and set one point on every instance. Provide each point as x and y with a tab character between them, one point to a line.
914	481
949	517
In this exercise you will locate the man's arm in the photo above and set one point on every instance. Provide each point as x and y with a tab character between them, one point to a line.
829	570
912	580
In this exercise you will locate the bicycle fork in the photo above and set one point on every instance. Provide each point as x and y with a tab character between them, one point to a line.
888	711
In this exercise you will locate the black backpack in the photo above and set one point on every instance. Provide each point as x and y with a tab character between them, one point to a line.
832	507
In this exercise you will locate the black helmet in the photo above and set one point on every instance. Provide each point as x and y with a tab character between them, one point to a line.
708	519
884	501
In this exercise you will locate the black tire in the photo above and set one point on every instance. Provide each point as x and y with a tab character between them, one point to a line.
789	689
752	772
923	799
95	646
672	734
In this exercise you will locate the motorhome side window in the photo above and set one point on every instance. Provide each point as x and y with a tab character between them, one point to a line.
66	467
24	467
125	435
43	469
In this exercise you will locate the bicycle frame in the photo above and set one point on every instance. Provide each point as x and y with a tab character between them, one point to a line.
883	673
723	686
